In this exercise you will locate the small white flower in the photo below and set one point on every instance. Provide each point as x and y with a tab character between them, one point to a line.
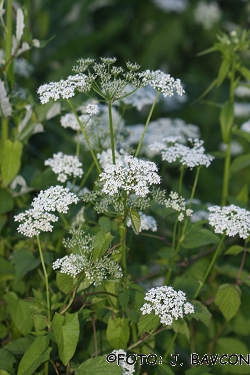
69	120
65	166
167	304
178	204
241	109
132	175
56	198
177	6
230	219
162	82
189	157
245	127
34	222
64	89
105	157
207	14
92	109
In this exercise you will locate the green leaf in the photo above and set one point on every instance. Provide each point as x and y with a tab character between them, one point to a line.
7	271
7	202
5	106
198	370
228	300
240	163
38	352
223	71
200	237
19	311
20	346
164	370
245	72
11	160
201	313
234	250
148	323
118	332
123	296
6	361
101	243
65	283
180	326
66	333
98	366
135	220
24	262
226	121
243	194
228	346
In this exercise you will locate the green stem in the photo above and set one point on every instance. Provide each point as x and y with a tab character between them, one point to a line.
170	345
111	131
46	281
86	175
210	266
181	178
226	176
85	136
194	185
64	221
146	125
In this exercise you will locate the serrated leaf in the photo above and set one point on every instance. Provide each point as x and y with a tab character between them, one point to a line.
66	332
180	326
118	332
7	361
65	283
200	237
38	353
201	313
226	121
135	220
240	163
228	300
7	202
5	105
234	250
11	160
98	366
19	311
230	346
24	262
101	243
148	323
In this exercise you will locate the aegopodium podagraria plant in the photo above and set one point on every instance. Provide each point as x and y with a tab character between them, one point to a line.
93	282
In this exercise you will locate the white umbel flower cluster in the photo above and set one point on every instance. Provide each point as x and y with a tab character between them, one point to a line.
34	222
207	14
230	219
178	204
64	89
166	303
69	120
190	157
65	166
38	219
105	157
147	222
162	82
92	109
56	198
131	174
